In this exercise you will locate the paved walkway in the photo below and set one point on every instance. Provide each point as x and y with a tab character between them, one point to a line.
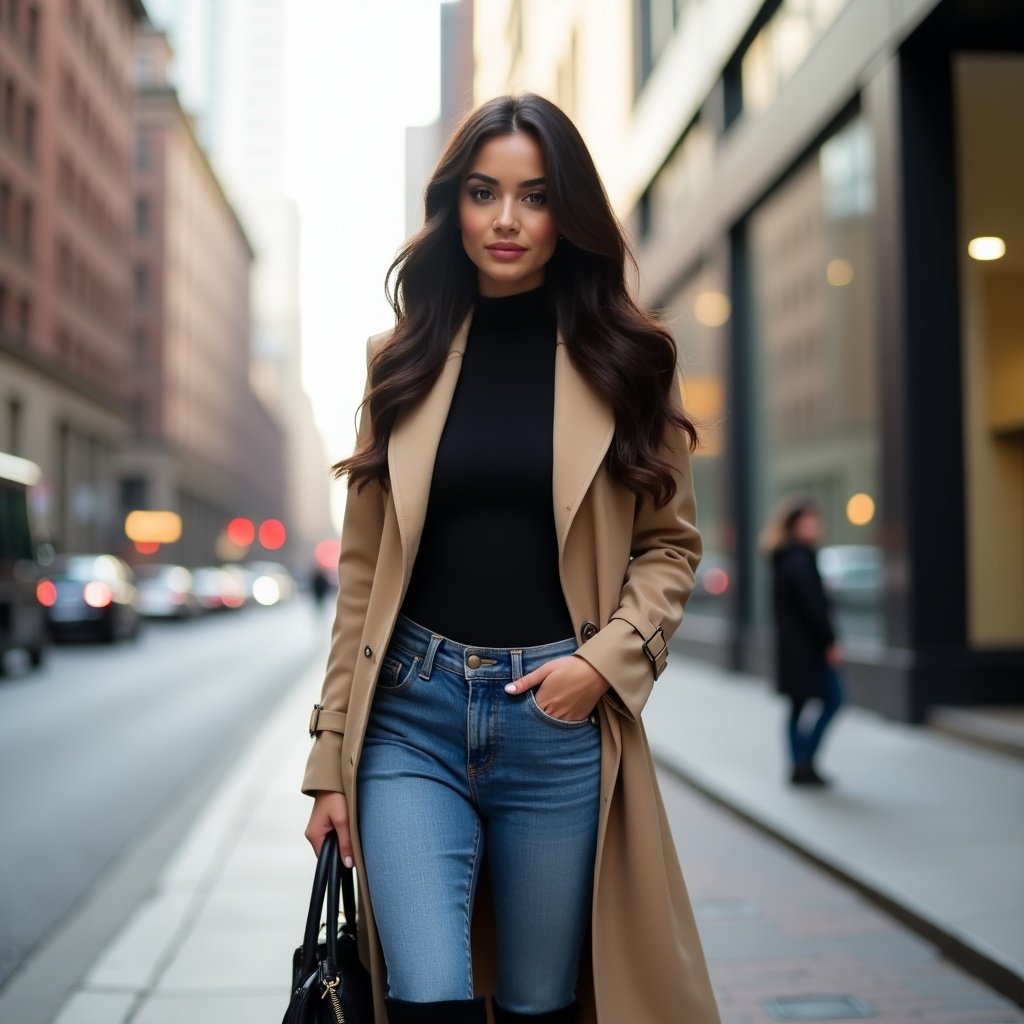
213	943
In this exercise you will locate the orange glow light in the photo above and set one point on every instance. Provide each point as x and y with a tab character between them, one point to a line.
241	531
272	534
46	593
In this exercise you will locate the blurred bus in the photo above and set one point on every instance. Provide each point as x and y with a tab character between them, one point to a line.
23	590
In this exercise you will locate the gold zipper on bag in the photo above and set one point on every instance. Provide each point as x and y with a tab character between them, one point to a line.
329	989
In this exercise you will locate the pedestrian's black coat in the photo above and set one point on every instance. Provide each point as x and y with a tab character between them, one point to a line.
803	630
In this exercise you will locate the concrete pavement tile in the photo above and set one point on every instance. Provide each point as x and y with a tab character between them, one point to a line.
131	961
207	1008
96	1008
245	956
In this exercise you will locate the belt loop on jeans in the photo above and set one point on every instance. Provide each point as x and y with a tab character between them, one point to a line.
517	663
428	658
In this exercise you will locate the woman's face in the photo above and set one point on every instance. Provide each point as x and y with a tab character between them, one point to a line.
809	529
506	224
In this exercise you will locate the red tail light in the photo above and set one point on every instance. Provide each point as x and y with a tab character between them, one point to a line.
46	593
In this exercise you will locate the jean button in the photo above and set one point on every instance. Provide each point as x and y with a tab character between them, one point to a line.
473	661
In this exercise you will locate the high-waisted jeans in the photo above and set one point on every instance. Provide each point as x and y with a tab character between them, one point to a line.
452	766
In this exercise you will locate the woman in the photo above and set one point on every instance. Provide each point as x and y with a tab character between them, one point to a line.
517	548
807	656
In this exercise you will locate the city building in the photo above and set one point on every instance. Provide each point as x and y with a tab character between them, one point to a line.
65	141
204	443
424	143
822	198
229	67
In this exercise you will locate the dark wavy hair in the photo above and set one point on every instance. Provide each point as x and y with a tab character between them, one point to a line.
432	286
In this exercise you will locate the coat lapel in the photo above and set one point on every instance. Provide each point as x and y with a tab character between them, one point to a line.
584	425
583	429
412	448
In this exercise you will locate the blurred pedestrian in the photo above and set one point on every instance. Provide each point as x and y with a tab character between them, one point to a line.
517	548
319	584
807	656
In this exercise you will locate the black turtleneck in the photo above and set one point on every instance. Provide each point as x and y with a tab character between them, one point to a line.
486	572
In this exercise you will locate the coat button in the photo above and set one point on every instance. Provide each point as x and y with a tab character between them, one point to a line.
368	651
473	661
587	630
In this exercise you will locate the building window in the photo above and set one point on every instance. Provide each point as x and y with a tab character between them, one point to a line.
64	264
781	46
655	24
815	420
141	216
14	16
29	130
5	211
14	426
140	343
33	30
24	317
141	285
3	306
27	225
10	103
142	151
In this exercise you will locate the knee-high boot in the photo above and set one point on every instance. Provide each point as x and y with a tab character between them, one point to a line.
567	1015
449	1011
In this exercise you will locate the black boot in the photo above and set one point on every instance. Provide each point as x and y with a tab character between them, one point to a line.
805	774
450	1011
567	1015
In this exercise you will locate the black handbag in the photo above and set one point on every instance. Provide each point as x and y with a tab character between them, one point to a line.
330	985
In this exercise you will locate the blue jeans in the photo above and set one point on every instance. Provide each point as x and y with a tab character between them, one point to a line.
452	766
804	741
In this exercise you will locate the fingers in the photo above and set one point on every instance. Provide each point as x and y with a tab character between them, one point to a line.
531	679
330	811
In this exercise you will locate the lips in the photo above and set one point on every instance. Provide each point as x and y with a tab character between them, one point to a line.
506	247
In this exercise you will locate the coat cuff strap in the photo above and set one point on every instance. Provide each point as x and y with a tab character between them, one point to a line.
654	644
321	719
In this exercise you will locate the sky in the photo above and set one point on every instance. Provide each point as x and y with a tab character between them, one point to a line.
359	71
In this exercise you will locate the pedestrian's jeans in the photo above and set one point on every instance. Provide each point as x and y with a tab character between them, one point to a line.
804	740
452	766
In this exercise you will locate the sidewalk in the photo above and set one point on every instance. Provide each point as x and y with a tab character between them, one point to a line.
930	826
918	818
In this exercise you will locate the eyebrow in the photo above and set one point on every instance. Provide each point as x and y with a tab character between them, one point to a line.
487	180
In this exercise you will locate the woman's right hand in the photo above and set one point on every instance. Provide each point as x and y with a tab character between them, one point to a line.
330	810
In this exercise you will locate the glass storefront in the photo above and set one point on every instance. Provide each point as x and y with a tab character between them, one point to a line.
816	423
698	316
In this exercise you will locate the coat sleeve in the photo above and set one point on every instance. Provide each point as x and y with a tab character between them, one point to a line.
632	648
361	532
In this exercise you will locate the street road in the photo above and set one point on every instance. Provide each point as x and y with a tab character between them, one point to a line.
94	745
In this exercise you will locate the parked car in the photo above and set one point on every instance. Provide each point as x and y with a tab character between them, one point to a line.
852	574
165	592
216	589
95	595
23	587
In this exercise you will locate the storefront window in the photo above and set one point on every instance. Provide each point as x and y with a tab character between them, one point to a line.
698	316
816	425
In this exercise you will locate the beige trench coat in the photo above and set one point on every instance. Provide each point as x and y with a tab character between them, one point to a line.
645	964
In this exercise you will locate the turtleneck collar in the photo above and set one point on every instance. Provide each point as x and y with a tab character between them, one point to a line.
512	311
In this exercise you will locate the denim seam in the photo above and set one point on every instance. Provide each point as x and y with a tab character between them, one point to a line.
470	882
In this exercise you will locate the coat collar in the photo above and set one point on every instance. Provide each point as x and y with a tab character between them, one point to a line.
583	427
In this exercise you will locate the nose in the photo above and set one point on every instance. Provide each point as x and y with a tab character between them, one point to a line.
505	219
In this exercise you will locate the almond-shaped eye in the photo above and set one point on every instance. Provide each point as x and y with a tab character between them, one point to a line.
535	199
480	194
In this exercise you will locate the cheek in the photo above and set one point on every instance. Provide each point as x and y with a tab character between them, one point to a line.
543	230
472	222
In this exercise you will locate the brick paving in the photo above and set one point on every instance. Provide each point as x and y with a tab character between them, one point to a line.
776	927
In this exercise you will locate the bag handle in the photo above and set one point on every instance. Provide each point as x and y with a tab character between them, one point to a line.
331	876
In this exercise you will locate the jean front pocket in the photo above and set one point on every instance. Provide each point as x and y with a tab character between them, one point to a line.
398	670
561	723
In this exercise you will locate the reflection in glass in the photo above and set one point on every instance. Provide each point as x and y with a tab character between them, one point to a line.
816	427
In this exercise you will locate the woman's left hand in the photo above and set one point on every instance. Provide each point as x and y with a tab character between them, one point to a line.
567	688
